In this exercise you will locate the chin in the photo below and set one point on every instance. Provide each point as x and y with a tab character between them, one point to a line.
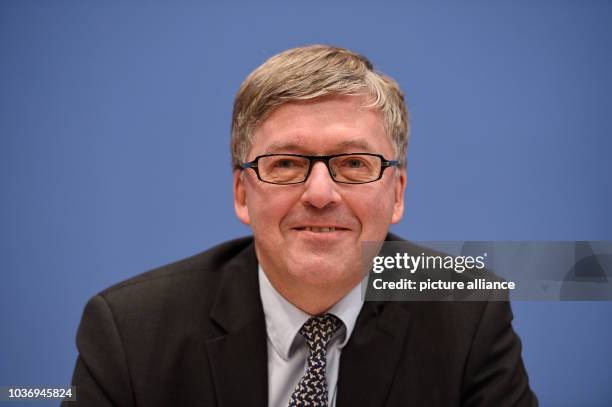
325	270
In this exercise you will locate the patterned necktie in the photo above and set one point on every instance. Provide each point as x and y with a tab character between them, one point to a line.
312	388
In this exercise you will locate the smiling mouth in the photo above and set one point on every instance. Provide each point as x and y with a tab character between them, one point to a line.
324	229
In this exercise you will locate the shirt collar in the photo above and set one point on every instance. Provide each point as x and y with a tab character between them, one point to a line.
284	320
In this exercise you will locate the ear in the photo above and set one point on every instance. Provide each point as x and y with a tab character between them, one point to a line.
400	189
240	198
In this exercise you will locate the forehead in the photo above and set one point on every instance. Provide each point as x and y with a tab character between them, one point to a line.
322	126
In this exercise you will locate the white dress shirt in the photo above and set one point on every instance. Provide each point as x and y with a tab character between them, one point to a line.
287	350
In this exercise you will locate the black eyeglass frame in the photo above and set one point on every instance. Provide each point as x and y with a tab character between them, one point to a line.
384	164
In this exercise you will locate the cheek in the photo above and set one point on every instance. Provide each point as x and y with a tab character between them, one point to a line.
267	209
374	208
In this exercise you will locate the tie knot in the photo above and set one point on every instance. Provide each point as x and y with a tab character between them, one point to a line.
318	330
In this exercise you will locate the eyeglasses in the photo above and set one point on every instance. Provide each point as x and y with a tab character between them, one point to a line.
351	168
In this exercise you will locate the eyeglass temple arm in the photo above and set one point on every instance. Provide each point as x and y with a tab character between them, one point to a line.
252	164
390	163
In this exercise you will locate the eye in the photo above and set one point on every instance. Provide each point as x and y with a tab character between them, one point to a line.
354	163
284	163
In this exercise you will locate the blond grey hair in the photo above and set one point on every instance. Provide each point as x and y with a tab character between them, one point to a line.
310	72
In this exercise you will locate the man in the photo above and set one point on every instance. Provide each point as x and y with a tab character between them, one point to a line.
318	149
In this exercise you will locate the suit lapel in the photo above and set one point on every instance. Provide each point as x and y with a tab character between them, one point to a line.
369	361
238	355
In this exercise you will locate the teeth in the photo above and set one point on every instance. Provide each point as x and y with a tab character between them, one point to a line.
320	230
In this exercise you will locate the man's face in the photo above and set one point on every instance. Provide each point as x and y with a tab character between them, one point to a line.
291	222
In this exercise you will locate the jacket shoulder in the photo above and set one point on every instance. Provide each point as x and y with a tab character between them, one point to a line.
205	265
180	290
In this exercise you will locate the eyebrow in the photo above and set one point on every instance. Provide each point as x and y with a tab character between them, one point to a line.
358	146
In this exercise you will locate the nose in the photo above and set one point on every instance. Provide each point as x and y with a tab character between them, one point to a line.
320	189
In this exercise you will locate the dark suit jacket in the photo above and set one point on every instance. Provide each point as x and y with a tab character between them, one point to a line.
193	334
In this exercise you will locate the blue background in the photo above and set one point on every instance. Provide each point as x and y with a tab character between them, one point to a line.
114	149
